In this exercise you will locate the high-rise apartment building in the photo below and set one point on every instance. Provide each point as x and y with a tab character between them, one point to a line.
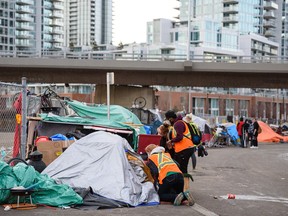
226	27
49	28
284	32
33	27
7	25
88	21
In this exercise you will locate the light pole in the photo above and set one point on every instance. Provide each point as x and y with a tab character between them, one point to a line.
109	80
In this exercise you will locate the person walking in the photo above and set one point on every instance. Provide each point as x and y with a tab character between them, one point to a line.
168	179
188	119
254	142
180	140
245	132
240	131
250	132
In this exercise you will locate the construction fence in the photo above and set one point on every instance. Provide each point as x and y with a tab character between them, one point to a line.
13	119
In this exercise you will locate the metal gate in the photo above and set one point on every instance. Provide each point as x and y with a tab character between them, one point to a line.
13	120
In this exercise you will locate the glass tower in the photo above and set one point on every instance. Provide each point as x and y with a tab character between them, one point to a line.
7	25
88	21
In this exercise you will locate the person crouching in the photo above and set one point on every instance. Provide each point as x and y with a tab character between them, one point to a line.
168	179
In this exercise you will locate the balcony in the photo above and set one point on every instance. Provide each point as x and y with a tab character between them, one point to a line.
48	6
56	40
230	1
57	7
23	10
24	44
56	15
269	24
269	15
230	19
269	34
24	36
24	2
230	10
22	27
55	32
23	18
270	6
56	23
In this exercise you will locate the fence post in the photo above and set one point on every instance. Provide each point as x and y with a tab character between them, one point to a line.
24	118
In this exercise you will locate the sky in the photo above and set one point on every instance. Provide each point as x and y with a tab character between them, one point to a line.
130	18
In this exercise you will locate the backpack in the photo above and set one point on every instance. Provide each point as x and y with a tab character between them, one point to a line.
250	128
196	135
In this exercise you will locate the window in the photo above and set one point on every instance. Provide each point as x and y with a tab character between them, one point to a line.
214	106
198	106
243	108
230	107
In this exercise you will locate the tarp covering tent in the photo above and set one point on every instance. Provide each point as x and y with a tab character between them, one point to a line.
117	113
99	161
46	190
232	131
268	135
76	120
120	118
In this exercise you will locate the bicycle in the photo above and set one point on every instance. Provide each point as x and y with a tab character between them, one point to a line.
47	101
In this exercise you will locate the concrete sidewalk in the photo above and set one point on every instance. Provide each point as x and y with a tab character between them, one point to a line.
257	177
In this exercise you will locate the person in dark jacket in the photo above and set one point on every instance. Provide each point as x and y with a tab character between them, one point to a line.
180	140
254	143
168	179
245	132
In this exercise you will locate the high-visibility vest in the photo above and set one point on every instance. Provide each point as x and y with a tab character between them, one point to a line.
165	164
186	142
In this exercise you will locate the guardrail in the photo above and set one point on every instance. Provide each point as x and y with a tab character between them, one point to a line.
111	55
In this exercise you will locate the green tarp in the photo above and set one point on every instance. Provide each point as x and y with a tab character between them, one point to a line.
46	191
120	117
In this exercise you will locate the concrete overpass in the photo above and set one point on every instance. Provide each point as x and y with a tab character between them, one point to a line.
170	73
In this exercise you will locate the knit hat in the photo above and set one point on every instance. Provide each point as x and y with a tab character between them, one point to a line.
170	114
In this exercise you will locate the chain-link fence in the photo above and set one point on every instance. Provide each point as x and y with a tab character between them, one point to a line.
13	120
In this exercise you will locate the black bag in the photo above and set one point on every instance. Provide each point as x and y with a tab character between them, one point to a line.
196	135
202	151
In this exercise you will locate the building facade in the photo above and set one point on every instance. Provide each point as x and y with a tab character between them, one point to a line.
88	22
270	105
30	27
33	27
224	27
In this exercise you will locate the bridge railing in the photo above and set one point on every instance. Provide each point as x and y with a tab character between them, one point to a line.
120	55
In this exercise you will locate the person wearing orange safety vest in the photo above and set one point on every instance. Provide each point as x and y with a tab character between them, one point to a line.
180	140
167	176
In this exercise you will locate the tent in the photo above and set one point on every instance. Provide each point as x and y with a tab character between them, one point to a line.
117	113
232	131
203	126
99	161
86	119
268	135
45	189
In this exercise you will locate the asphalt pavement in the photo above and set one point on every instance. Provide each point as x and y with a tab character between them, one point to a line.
258	178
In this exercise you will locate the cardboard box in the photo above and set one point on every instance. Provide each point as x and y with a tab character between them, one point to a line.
52	149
